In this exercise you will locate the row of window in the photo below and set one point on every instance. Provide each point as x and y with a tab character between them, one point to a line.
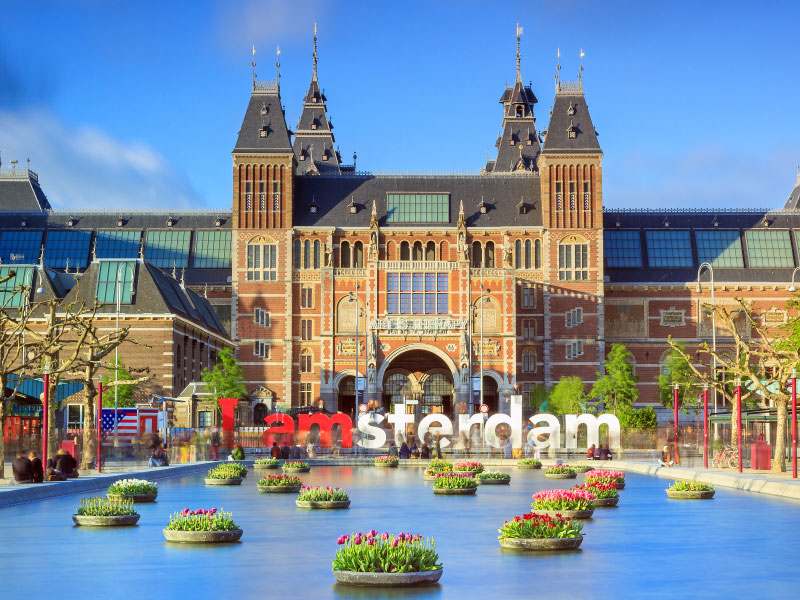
573	202
417	293
163	248
573	262
723	248
574	317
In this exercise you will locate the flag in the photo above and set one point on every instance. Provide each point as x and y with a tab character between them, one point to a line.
582	53
519	30
558	53
254	49
127	421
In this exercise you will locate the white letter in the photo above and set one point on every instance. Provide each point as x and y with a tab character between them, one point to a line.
553	429
400	419
446	428
491	425
592	429
377	433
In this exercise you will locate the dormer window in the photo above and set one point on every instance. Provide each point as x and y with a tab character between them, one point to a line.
522	207
264	110
571	109
519	111
301	156
529	142
666	222
313	209
325	155
715	222
511	140
571	131
313	124
482	207
71	222
314	99
262	132
120	222
352	207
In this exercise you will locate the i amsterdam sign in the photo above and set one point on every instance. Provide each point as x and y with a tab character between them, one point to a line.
421	325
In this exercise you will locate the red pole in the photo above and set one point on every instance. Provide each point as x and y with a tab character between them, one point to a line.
46	419
794	425
739	422
99	423
675	410
705	428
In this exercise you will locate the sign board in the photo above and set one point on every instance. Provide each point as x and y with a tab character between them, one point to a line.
361	383
484	408
362	408
412	401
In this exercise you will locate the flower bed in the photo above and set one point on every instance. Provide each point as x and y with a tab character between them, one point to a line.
468	467
493	477
605	494
202	526
606	476
226	474
581	468
138	490
322	497
560	472
386	461
541	532
296	466
279	484
568	503
437	466
385	559
529	463
454	484
105	512
690	489
267	463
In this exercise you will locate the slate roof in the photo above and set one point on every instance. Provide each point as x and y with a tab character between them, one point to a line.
501	193
794	197
516	131
570	111
264	112
20	192
312	145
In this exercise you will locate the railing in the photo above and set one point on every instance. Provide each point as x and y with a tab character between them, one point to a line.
18	173
569	86
352	272
265	86
417	265
476	273
702	211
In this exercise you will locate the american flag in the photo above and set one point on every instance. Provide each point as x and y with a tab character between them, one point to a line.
127	424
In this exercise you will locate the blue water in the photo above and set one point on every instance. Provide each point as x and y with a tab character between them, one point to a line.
734	546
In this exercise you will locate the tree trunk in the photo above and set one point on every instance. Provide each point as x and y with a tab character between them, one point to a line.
89	430
3	383
734	423
778	463
52	438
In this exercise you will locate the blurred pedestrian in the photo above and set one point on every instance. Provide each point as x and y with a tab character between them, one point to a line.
22	468
36	464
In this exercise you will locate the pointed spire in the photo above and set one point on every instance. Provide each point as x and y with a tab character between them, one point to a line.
253	64
519	75
373	220
558	65
580	73
183	280
314	74
278	66
462	222
798	175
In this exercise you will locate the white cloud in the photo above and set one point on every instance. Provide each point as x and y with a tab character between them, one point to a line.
84	167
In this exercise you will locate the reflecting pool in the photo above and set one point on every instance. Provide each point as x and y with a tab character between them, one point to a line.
735	545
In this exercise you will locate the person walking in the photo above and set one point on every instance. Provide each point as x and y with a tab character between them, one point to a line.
275	452
437	445
215	444
22	468
38	469
404	451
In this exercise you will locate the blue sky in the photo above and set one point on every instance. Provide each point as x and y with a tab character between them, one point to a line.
138	104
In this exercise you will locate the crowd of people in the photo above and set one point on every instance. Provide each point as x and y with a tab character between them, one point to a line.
598	452
29	469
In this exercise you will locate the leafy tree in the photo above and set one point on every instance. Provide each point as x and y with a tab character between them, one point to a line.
643	419
224	380
537	397
676	370
568	397
616	389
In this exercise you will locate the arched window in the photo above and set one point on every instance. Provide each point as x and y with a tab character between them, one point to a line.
436	387
527	254
397	385
316	254
417	255
262	260
405	251
489	261
260	412
519	111
528	361
573	260
344	255
477	255
307	254
537	254
305	361
297	254
518	254
430	251
358	255
444	251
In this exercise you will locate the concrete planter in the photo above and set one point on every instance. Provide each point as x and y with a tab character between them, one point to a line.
582	469
691	494
203	537
265	467
388	579
135	497
387	465
322	504
455	492
237	481
505	481
572	514
278	489
529	466
560	475
621	486
541	544
600	502
303	470
110	521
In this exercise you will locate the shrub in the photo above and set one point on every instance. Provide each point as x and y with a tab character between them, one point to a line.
267	462
386	460
605	476
532	525
295	464
562	500
454	481
559	470
238	452
532	462
105	507
322	494
228	470
279	481
690	485
492	475
133	487
600	490
470	467
385	553
201	520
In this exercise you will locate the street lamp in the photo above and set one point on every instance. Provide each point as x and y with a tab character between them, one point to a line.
706	265
116	349
738	384
792	287
359	313
483	301
794	423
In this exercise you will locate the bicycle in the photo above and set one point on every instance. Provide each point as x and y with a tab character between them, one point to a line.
727	457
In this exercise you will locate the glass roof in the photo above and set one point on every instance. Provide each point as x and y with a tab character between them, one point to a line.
769	248
118	243
64	248
212	249
167	248
418	208
622	248
670	248
20	246
720	247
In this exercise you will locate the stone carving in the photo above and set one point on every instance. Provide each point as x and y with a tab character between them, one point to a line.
451	347
461	247
673	317
372	252
464	354
328	256
507	256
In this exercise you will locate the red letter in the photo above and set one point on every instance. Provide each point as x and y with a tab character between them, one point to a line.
285	425
325	422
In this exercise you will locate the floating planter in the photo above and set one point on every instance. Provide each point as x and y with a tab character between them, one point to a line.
372	559
529	463
202	526
386	461
455	484
536	532
138	490
468	467
560	472
322	497
437	466
226	474
279	484
690	489
267	463
605	494
575	504
105	512
493	478
581	468
293	466
606	476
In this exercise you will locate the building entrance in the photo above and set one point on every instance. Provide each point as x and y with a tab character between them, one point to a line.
421	376
347	397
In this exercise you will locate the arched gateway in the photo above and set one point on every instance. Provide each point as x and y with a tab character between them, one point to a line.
422	373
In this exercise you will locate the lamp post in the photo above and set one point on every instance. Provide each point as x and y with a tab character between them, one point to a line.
359	314
99	422
792	287
45	412
116	349
675	414
706	265
705	426
794	423
480	350
739	421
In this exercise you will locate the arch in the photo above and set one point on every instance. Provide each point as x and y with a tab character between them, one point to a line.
430	251
418	346
527	254
316	254
306	361
518	254
537	254
262	239
444	251
438	390
405	251
491	315
488	261
390	252
347	313
307	254
297	254
417	253
260	411
358	255
477	255
529	360
344	255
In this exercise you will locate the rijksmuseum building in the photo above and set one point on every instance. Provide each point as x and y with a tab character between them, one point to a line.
428	286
